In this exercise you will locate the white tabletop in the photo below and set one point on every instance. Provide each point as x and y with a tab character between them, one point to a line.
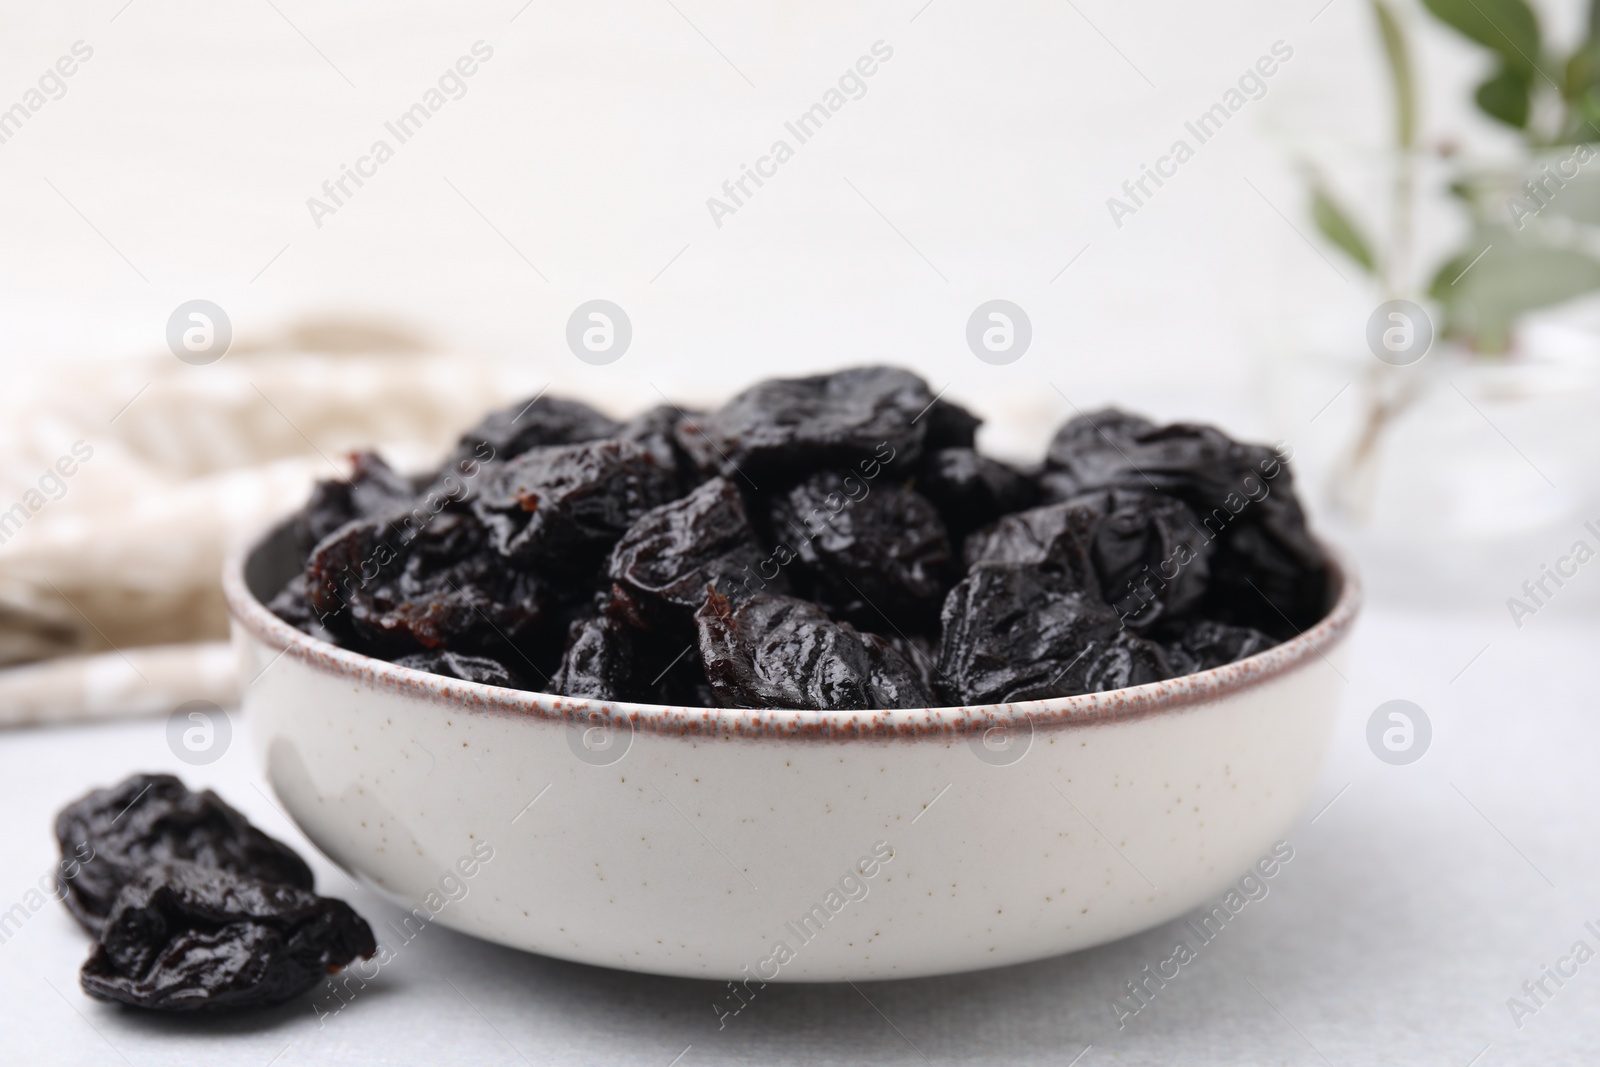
1420	898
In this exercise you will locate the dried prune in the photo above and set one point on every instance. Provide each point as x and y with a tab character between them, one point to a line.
1057	539
781	652
1201	644
467	668
599	662
185	937
796	425
1014	632
895	682
564	507
873	553
544	420
970	490
1241	494
949	425
391	591
1149	555
373	489
152	818
655	431
662	565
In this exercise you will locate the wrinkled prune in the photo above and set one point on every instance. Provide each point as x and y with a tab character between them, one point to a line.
796	425
1058	539
662	565
373	489
1013	632
1201	644
780	652
949	425
564	507
1241	494
895	681
183	937
970	490
544	420
599	662
875	554
655	431
390	590
153	818
467	668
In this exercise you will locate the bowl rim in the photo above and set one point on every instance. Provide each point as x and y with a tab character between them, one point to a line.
1168	696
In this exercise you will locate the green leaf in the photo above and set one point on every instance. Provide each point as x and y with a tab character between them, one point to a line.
1399	58
1485	290
1338	227
1505	97
1507	27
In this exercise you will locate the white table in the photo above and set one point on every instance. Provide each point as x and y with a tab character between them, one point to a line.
1418	900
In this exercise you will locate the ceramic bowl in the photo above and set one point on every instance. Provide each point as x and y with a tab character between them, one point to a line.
783	845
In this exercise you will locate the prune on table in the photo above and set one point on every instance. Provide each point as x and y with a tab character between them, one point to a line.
153	818
662	565
1015	632
873	553
792	426
186	937
1241	494
564	507
467	668
390	591
544	420
1201	644
372	490
970	490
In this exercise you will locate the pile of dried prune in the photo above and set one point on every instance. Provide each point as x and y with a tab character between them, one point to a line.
832	542
192	907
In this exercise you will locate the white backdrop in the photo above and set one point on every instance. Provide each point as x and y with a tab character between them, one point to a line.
179	161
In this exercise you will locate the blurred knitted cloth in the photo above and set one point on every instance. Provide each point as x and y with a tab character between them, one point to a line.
122	486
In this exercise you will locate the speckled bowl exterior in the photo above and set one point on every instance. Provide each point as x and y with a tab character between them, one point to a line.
783	845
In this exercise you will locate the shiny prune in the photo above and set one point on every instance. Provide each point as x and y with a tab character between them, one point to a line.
1202	644
795	425
599	663
564	507
970	490
874	553
389	590
373	489
774	651
514	429
1242	496
186	937
662	565
153	818
1014	632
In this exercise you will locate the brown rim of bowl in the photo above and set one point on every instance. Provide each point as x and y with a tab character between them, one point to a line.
1115	705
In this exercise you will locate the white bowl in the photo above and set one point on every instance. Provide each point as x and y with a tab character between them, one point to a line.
783	845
